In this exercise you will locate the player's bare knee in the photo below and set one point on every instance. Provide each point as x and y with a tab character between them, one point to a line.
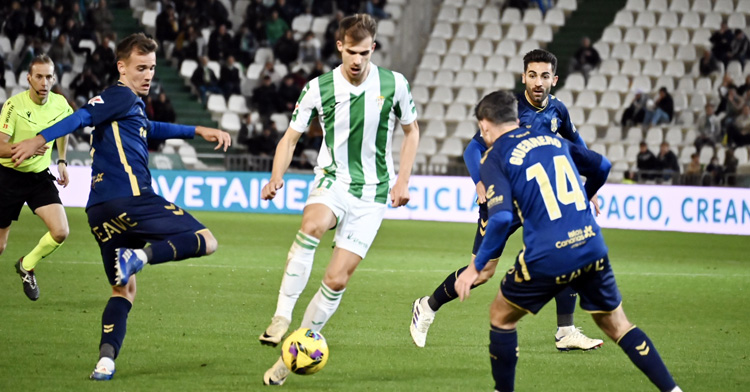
336	283
313	228
60	235
613	324
128	291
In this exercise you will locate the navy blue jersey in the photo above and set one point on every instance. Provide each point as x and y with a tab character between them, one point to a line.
537	176
553	118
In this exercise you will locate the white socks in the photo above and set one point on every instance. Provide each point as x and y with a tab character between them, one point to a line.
322	307
297	272
564	331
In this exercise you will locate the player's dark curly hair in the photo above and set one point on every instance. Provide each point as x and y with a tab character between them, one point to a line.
498	107
540	56
357	27
137	42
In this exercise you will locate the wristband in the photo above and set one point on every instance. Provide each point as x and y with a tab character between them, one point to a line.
59	161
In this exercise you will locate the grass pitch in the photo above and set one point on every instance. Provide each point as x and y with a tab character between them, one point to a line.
195	323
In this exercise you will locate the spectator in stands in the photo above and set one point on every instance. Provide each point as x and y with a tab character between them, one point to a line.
286	49
62	54
635	113
188	47
708	64
205	81
99	69
163	110
275	28
740	46
646	162
722	43
734	104
255	18
322	7
34	19
349	6
726	84
75	35
107	59
15	21
329	44
709	128
376	8
585	59
663	110
318	69
744	90
628	177
247	132
77	14
85	85
101	18
309	49
715	171
667	162
288	94
245	45
229	78
265	98
50	30
216	12
167	27
693	170
286	10
265	143
2	71
219	44
270	70
738	133
730	167
32	48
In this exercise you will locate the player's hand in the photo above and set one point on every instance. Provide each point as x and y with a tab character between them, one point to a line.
481	193
465	281
215	135
269	190
595	201
62	170
400	194
27	148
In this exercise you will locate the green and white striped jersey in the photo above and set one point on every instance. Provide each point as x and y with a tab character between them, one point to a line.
357	123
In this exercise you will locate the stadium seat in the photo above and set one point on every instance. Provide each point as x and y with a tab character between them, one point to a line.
467	31
533	17
463	79
430	61
515	65
456	113
427	145
634	135
452	147
602	48
674	136
631	153
555	17
613	134
443	78
510	16
599	148
643	52
620	84
680	6
434	111
442	30
436	46
610	100
542	33
703	85
567	5
238	104
657	6
698	102
724	7
442	94
686	117
675	68
597	83
465	130
586	99
743	7
623	18
702	38
424	77
459	46
420	94
148	20
712	21
492	32
467	96
301	23
645	19
705	155
484	79
652	68
436	129
634	35
280	120
621	51
664	52
612	35
680	101
23	81
686	84
631	67
438	164
656	36
451	62
702	6
507	48
741	154
679	37
386	28
483	47
10	79
517	32
490	15
588	133
230	122
598	117
616	152
736	21
575	82
654	135
565	96
666	82
495	63
467	14
635	5
609	67
576	115
447	14
690	20
319	26
668	20
187	68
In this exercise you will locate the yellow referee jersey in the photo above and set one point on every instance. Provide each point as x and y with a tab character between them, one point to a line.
23	119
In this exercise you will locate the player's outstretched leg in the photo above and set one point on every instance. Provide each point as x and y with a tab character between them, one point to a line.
638	347
114	326
568	337
179	247
277	374
28	279
296	274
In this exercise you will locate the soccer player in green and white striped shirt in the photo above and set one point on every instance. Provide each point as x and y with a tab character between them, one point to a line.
357	105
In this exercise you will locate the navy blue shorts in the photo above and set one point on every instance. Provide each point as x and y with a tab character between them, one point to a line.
482	226
594	283
133	222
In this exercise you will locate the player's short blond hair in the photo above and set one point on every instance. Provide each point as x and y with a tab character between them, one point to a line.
357	27
137	42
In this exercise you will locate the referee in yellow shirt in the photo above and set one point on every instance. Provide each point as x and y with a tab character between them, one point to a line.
22	117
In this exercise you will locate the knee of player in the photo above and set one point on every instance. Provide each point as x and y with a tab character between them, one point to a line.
312	228
335	283
2	247
60	235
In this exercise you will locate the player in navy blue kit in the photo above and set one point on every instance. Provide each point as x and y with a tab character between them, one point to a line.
124	212
536	176
539	110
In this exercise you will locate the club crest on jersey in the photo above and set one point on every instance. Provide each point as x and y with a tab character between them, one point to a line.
381	101
553	125
95	100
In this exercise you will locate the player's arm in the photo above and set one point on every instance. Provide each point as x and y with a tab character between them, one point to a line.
400	190
594	166
568	130
163	130
472	157
62	164
7	123
281	160
26	148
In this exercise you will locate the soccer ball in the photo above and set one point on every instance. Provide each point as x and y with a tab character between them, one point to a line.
305	351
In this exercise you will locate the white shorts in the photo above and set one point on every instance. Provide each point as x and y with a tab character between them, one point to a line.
358	221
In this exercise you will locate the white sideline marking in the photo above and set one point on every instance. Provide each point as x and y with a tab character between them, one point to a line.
384	270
